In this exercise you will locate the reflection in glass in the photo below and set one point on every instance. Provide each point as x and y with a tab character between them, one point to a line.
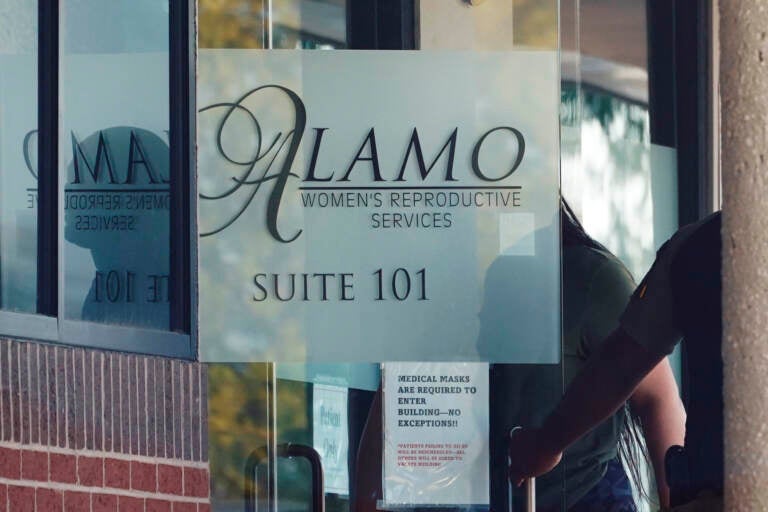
240	401
18	155
623	188
293	24
114	161
327	417
124	227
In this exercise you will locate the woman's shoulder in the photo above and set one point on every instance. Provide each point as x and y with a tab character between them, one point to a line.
592	264
596	289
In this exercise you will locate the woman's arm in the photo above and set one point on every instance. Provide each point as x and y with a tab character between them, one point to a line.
603	386
656	401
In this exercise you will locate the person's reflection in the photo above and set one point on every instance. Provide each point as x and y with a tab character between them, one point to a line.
117	206
515	307
515	325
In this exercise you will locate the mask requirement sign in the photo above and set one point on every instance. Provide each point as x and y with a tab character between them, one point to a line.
436	446
378	206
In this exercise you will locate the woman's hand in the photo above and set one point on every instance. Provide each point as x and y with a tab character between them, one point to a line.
530	455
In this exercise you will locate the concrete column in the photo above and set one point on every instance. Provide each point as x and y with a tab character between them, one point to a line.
744	96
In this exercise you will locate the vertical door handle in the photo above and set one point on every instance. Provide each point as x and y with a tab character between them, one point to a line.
286	451
530	498
291	450
251	486
530	487
530	490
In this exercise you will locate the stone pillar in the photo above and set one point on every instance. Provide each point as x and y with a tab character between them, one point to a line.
744	97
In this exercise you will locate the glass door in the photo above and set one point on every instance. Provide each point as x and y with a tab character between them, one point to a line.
319	401
350	413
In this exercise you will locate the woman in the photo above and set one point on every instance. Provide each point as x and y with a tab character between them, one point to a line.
596	288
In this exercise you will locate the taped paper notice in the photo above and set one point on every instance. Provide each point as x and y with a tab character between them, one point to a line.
436	434
330	435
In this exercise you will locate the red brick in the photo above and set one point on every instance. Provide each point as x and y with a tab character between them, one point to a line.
63	468
77	501
196	482
184	507
117	473
143	476
169	479
10	463
104	502
203	507
157	506
129	504
90	470
21	499
34	465
49	500
3	498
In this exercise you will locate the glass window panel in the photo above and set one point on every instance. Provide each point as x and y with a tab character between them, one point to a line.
293	24
621	185
18	155
232	23
114	161
308	399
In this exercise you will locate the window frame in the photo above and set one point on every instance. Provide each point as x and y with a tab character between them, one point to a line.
49	323
681	94
382	24
683	102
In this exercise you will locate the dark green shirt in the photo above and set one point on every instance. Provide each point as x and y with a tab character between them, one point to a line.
596	289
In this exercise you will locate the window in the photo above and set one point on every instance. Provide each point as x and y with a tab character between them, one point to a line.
114	161
94	174
18	157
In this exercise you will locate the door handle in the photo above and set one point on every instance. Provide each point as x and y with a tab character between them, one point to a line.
286	451
530	498
290	451
530	487
251	487
530	490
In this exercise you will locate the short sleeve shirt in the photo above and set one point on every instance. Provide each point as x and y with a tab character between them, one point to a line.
651	317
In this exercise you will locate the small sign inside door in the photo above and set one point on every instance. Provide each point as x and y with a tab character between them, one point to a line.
330	435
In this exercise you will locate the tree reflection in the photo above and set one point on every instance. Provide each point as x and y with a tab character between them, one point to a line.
238	424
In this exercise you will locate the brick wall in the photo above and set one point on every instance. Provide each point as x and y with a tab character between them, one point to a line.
86	430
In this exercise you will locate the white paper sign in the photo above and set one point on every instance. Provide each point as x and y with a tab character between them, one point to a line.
330	435
436	434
